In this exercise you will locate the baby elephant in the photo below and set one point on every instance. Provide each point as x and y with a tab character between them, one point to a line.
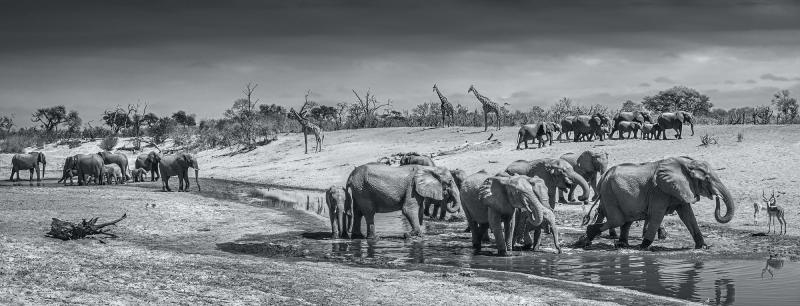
138	175
628	126
649	130
113	174
341	213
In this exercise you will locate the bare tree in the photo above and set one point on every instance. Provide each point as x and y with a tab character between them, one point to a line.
367	107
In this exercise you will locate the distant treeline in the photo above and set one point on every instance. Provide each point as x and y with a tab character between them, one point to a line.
249	123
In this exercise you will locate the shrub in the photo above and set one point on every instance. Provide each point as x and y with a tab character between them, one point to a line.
18	143
108	143
707	140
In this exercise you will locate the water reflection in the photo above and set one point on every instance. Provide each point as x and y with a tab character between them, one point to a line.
774	263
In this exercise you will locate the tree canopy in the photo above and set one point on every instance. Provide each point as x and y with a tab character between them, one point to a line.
678	98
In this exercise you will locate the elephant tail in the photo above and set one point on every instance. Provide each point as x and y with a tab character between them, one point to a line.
588	217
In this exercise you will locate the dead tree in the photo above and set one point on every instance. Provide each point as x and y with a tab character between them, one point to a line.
67	230
368	106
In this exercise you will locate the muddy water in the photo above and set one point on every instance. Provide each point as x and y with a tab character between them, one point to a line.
716	279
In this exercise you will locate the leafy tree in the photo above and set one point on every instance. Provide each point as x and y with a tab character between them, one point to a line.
116	119
630	106
149	119
183	119
678	98
73	122
161	129
786	105
6	123
50	117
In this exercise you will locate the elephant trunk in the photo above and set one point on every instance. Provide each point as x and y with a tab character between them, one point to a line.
577	178
721	191
534	207
341	226
455	205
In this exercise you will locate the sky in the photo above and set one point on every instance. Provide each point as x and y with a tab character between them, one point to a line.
198	55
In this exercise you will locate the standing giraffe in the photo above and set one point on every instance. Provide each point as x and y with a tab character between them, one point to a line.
488	107
308	126
447	108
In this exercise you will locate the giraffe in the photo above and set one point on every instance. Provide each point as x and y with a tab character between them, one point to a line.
488	107
308	126
447	108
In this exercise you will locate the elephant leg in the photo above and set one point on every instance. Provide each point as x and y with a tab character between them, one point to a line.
30	180
370	219
680	131
624	231
427	210
686	214
412	212
537	237
485	121
510	222
571	195
442	210
653	223
496	224
334	222
356	232
165	180
551	196
476	236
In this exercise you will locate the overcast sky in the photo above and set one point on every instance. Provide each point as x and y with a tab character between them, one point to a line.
197	55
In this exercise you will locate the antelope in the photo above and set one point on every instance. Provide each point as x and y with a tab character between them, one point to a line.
757	207
775	212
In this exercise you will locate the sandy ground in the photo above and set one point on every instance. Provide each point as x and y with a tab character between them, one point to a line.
167	254
163	242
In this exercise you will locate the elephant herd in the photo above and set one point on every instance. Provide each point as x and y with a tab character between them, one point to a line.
521	200
109	168
586	127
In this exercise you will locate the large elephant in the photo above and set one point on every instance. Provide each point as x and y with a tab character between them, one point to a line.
648	191
178	165
674	121
534	132
29	162
341	215
629	127
590	165
89	165
69	171
149	162
588	126
119	159
499	202
376	188
635	116
556	174
566	126
415	158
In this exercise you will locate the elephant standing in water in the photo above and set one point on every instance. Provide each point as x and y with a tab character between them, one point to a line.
674	121
149	162
341	215
510	205
119	159
89	165
178	165
590	165
556	174
30	162
376	188
648	191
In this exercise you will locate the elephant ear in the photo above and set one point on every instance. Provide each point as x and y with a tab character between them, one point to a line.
679	116
540	190
494	192
428	185
672	179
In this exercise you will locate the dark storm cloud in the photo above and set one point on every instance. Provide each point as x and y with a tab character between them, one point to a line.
772	77
664	80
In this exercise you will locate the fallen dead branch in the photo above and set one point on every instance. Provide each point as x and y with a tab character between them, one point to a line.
67	230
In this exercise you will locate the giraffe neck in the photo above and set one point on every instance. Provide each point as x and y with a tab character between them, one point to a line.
441	96
480	97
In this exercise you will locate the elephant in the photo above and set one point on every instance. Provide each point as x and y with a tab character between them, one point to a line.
556	174
650	130
629	127
375	188
138	174
635	116
178	165
89	165
415	158
590	165
29	162
566	126
674	121
648	191
69	171
113	174
341	216
501	201
119	159
533	132
149	162
439	209
587	126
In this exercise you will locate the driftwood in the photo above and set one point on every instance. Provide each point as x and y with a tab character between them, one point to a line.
67	230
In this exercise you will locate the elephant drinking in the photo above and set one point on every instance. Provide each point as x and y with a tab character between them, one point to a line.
556	174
